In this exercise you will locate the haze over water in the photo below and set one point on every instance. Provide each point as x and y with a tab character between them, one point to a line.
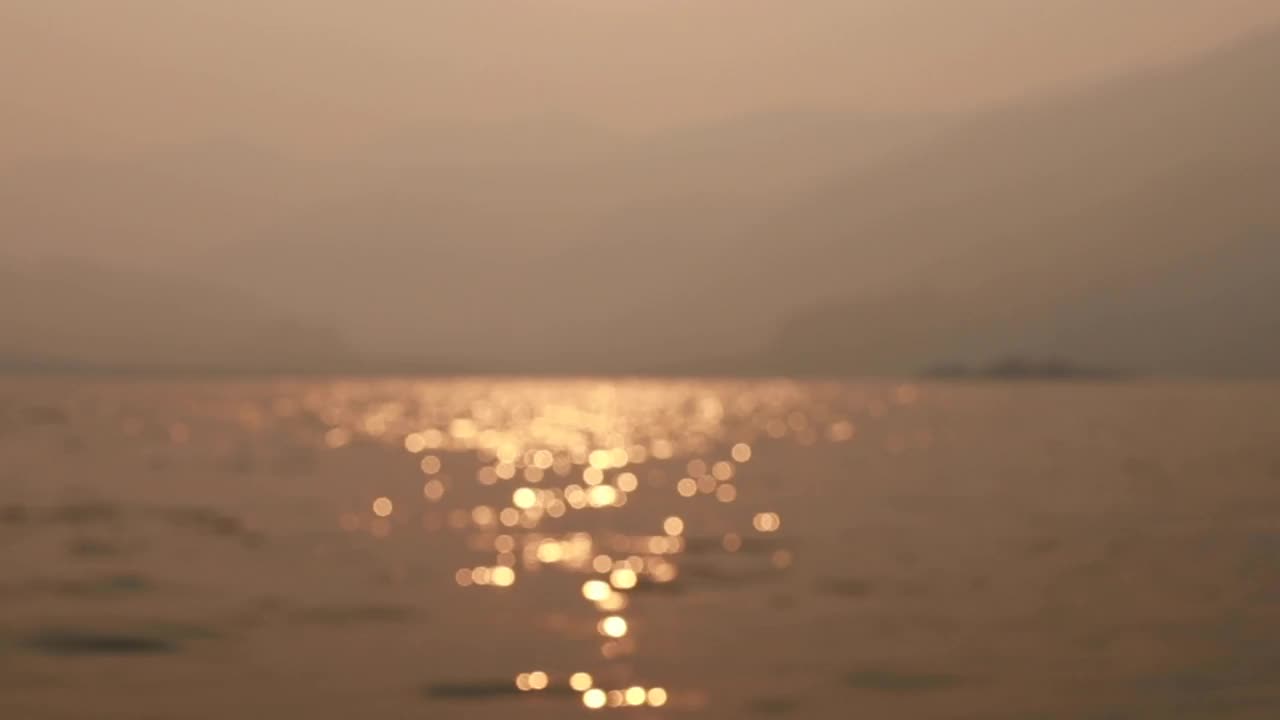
711	187
494	548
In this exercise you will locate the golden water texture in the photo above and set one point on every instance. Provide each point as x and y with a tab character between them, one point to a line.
549	549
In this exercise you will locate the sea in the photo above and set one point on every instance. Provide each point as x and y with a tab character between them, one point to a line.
555	548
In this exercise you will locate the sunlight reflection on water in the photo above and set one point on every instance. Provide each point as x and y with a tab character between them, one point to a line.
710	549
523	465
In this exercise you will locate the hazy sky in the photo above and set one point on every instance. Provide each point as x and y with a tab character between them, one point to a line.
396	172
311	74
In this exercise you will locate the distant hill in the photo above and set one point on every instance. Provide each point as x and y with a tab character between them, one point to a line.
1024	368
539	246
1136	225
550	255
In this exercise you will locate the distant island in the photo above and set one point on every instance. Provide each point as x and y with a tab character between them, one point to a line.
1026	368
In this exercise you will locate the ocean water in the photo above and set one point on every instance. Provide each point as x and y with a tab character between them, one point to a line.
508	548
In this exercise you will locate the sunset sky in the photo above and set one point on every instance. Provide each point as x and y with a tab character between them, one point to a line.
327	75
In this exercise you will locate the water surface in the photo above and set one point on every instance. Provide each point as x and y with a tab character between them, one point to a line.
493	549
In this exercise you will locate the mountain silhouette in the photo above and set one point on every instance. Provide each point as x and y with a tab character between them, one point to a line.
1134	225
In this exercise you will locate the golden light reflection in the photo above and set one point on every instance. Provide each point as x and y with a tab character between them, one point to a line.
614	603
463	429
550	551
539	456
726	493
596	590
562	465
722	471
628	482
524	498
415	443
599	459
657	697
602	496
767	522
542	459
482	515
433	490
623	578
594	698
842	431
580	681
613	626
618	457
665	572
673	526
507	453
